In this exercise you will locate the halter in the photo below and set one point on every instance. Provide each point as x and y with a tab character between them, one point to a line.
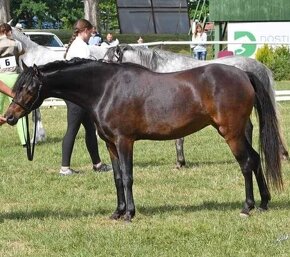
118	54
26	108
29	149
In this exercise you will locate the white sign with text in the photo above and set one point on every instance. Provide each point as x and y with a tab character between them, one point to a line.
268	32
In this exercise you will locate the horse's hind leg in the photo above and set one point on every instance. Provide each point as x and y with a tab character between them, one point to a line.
249	161
262	185
249	131
180	153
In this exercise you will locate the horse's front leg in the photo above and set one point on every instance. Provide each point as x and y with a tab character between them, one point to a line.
121	201
125	153
179	153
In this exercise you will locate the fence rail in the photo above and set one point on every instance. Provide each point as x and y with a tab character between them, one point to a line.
212	43
281	95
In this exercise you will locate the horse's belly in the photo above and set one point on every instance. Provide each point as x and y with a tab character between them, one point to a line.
173	130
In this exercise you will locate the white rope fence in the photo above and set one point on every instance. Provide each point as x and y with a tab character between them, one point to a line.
212	43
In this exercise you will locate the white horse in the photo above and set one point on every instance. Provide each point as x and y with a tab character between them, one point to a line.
40	55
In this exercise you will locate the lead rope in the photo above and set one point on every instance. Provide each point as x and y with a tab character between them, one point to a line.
29	149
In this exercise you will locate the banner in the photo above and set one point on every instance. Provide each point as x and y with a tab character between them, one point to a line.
268	32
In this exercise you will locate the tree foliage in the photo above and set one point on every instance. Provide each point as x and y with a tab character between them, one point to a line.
68	11
196	9
108	15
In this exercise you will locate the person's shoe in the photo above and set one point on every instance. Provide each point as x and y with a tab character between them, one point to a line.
102	168
67	172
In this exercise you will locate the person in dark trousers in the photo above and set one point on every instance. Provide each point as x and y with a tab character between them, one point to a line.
76	115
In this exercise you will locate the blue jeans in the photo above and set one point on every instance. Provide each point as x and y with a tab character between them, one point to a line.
199	55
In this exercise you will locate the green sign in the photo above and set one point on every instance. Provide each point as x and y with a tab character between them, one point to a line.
245	49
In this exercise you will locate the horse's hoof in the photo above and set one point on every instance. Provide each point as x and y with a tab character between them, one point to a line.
244	215
262	209
245	212
115	216
177	166
128	218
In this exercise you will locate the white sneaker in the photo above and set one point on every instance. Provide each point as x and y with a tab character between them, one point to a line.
67	172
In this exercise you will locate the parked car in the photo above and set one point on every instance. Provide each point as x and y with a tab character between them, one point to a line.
47	39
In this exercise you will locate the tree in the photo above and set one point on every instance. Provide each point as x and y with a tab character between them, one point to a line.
28	10
5	11
108	15
90	8
67	11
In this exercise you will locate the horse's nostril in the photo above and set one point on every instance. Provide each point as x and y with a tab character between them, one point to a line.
11	120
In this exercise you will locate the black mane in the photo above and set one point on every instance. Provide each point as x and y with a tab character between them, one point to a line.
58	65
27	75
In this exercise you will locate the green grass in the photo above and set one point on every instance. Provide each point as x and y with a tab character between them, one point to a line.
188	212
282	85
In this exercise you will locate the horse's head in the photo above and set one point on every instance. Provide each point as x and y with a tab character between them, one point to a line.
116	53
26	94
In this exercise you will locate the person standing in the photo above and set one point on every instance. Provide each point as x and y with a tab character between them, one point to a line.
7	91
141	42
9	54
96	38
110	41
198	37
76	115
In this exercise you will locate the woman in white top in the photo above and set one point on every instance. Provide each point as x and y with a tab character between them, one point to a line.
199	49
76	115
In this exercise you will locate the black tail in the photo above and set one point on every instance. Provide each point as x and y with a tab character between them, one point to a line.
270	137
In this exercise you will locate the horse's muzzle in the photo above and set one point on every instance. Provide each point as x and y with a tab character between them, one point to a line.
11	120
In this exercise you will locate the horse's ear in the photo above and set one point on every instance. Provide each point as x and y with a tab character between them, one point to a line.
35	68
10	22
24	66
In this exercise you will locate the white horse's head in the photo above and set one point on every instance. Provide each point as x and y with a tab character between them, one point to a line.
34	53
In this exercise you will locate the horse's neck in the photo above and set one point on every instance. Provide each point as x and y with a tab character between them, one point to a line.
34	53
63	84
97	52
26	42
131	56
40	56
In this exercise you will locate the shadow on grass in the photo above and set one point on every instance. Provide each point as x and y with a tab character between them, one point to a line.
189	165
208	205
43	214
147	211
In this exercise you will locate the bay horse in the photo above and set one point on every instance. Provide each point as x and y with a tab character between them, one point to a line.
129	102
156	60
164	61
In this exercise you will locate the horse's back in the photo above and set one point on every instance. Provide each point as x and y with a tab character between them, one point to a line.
172	105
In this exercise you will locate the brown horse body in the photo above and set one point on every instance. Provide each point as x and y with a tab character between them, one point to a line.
129	103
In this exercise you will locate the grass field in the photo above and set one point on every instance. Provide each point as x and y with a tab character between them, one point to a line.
188	212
